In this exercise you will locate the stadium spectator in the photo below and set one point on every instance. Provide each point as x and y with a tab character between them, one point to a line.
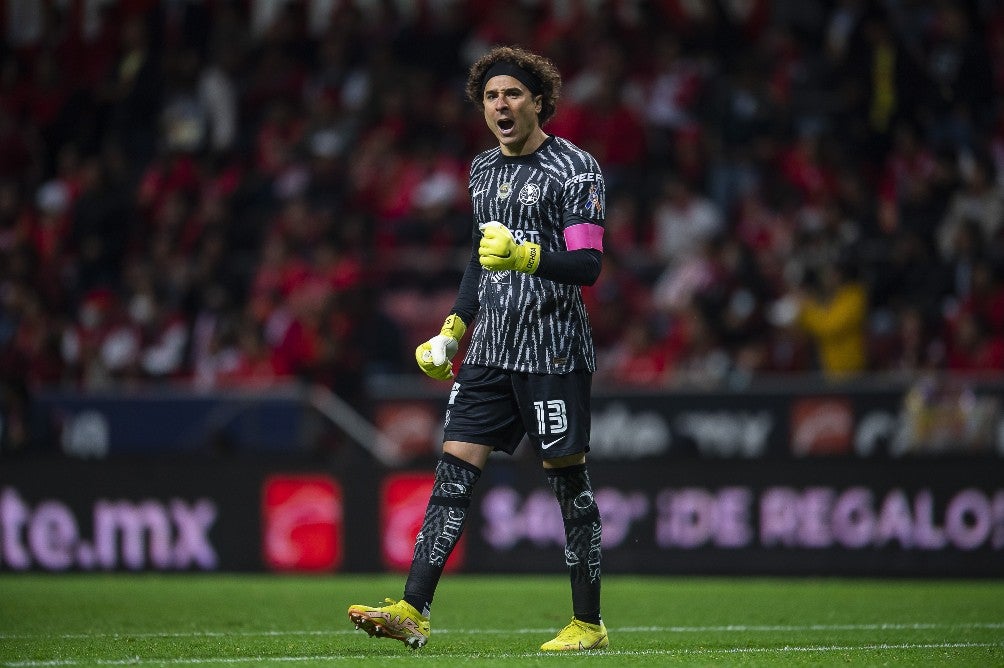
682	221
978	200
914	348
973	347
638	358
130	94
833	311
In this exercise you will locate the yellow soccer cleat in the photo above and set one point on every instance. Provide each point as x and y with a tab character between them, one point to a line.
578	636
397	620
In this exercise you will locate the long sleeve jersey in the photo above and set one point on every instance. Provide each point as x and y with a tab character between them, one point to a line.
535	323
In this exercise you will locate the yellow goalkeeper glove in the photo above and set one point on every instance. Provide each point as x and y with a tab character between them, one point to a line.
435	356
498	251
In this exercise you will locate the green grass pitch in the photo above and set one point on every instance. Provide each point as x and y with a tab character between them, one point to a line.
260	620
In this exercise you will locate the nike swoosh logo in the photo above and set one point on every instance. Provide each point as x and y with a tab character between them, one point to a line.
480	192
545	446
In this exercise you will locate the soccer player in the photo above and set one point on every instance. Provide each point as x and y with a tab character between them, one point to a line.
538	206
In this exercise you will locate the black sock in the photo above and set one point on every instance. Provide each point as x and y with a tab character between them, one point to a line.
444	522
583	531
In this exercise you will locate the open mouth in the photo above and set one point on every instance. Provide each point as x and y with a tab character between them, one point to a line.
506	125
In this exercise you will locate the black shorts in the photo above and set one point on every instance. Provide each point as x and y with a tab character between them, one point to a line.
495	407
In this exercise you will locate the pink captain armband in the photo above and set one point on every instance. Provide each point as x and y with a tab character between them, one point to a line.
584	235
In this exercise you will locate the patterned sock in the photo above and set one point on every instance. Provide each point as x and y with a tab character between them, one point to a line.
444	522
583	531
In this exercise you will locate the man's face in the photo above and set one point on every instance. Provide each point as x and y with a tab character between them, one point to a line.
511	114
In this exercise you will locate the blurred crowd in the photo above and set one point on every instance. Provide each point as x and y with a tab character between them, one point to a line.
230	193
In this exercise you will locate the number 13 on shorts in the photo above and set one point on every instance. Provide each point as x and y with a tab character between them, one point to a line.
552	418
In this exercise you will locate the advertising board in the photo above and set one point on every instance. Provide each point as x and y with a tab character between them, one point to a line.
816	516
812	517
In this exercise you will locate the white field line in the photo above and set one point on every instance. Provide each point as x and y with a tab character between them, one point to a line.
728	628
251	660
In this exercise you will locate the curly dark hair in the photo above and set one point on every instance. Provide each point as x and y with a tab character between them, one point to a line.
539	66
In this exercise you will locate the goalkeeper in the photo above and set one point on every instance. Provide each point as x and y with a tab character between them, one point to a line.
538	208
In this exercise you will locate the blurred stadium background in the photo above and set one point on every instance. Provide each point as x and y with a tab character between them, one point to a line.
225	225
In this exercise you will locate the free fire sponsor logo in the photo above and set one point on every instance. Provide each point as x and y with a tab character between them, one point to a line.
822	426
302	523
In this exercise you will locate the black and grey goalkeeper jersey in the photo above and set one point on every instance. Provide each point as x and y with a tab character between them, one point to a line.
554	197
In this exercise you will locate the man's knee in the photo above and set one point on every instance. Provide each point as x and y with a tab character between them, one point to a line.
568	460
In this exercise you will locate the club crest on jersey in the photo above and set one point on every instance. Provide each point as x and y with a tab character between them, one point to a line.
504	190
530	194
